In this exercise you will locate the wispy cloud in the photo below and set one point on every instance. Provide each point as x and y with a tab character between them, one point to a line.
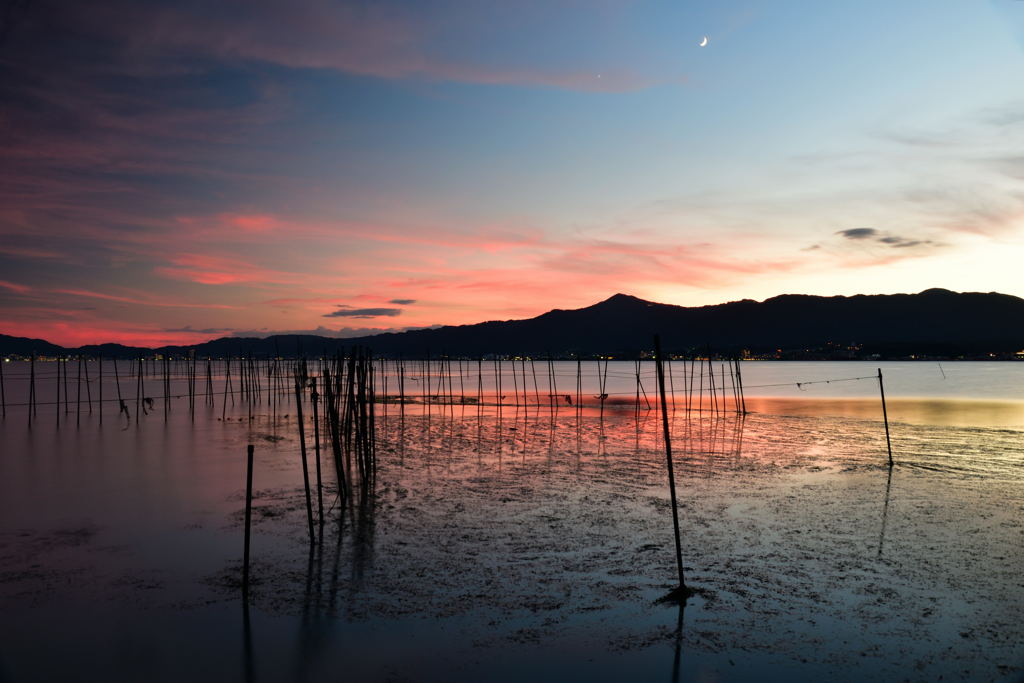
15	287
874	235
858	233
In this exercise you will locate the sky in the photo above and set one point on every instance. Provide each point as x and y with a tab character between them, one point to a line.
172	172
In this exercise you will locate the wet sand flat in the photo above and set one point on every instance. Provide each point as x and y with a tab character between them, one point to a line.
526	545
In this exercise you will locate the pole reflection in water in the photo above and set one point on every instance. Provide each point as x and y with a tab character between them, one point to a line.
885	512
247	656
677	655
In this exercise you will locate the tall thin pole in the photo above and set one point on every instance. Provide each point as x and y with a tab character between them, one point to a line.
305	467
78	390
885	416
88	389
227	381
671	472
579	385
67	401
739	381
636	409
316	444
121	407
32	389
672	386
138	391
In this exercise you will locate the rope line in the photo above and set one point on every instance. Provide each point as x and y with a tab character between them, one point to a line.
802	384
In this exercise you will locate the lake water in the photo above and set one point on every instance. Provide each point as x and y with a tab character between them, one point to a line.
526	540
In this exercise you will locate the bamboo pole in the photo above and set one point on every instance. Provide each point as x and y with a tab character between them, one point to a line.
689	393
462	384
739	380
554	383
121	407
636	407
711	384
167	386
515	383
227	380
208	400
305	466
315	397
681	592
138	390
536	389
59	363
88	389
700	388
672	386
579	387
31	388
67	403
78	392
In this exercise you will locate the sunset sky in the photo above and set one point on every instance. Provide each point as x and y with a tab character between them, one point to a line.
177	171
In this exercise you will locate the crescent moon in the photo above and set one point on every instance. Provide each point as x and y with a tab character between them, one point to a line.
704	42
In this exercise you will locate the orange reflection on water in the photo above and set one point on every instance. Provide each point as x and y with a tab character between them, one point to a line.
943	412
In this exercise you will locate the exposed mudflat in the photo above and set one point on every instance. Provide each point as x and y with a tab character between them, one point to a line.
532	546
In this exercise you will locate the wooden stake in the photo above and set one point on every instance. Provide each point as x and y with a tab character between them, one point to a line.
885	416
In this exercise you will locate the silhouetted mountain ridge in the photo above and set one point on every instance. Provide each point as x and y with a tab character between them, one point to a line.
935	321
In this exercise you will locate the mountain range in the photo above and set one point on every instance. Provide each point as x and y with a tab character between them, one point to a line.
935	322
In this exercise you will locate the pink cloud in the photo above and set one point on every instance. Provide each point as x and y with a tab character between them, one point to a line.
15	287
251	222
210	269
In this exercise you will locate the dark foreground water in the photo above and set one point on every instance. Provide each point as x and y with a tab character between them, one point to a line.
520	545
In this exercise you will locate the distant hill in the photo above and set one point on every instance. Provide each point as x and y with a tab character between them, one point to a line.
935	322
